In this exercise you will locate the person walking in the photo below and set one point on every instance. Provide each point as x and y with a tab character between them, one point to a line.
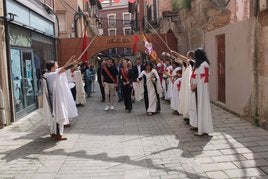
126	78
152	90
109	82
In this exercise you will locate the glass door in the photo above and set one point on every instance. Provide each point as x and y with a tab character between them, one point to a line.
23	81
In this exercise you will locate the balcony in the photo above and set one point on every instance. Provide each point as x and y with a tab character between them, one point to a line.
49	3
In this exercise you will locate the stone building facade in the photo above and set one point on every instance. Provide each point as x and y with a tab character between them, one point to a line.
74	15
27	41
116	20
234	35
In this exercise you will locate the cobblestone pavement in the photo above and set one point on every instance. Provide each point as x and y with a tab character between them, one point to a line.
116	145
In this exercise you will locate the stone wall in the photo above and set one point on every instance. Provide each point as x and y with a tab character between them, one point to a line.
239	66
191	24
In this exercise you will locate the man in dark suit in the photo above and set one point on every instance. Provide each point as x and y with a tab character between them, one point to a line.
138	68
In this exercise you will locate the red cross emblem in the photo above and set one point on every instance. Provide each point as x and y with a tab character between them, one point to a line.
179	86
206	74
193	75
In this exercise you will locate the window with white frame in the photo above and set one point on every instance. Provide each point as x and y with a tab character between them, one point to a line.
126	19
112	31
127	30
127	51
62	22
111	20
113	51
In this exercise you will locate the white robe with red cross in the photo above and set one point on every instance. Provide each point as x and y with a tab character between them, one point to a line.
167	83
192	101
174	102
204	117
185	92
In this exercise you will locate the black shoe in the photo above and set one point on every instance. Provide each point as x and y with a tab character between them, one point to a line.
102	100
187	120
80	105
129	110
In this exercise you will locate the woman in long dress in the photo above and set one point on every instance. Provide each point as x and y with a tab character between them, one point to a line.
126	78
152	90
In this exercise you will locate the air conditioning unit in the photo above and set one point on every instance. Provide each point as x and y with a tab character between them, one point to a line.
263	5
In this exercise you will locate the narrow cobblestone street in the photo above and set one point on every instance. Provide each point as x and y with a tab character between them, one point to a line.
117	145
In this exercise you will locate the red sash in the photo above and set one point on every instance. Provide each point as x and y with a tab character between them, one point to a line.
109	74
124	74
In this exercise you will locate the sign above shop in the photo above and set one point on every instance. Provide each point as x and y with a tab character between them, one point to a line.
118	40
30	19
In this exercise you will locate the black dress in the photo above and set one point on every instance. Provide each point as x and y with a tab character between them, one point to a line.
126	76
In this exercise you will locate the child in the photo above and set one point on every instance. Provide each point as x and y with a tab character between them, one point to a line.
177	73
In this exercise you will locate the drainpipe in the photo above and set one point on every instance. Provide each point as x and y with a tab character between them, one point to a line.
9	75
2	110
256	63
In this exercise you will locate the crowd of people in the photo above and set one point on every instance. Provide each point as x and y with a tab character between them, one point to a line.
181	80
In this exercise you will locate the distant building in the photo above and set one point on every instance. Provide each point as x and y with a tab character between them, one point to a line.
148	11
75	15
116	20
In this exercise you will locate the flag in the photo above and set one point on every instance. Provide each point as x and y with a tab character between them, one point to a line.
136	40
116	1
149	48
84	46
101	1
132	1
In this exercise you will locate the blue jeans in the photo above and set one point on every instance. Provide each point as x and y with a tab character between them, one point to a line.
88	87
120	91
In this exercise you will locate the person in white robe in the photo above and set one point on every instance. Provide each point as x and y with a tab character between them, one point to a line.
75	79
58	103
201	86
185	91
150	89
192	102
167	79
176	86
80	90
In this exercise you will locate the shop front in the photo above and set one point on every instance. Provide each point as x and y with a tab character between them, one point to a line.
32	44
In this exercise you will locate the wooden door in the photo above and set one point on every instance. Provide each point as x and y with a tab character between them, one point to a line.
221	68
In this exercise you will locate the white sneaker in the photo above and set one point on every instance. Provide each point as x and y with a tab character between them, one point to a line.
107	108
112	107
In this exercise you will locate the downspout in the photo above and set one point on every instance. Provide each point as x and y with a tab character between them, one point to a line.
256	63
8	57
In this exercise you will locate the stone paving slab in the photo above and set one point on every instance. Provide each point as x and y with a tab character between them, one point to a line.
122	145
